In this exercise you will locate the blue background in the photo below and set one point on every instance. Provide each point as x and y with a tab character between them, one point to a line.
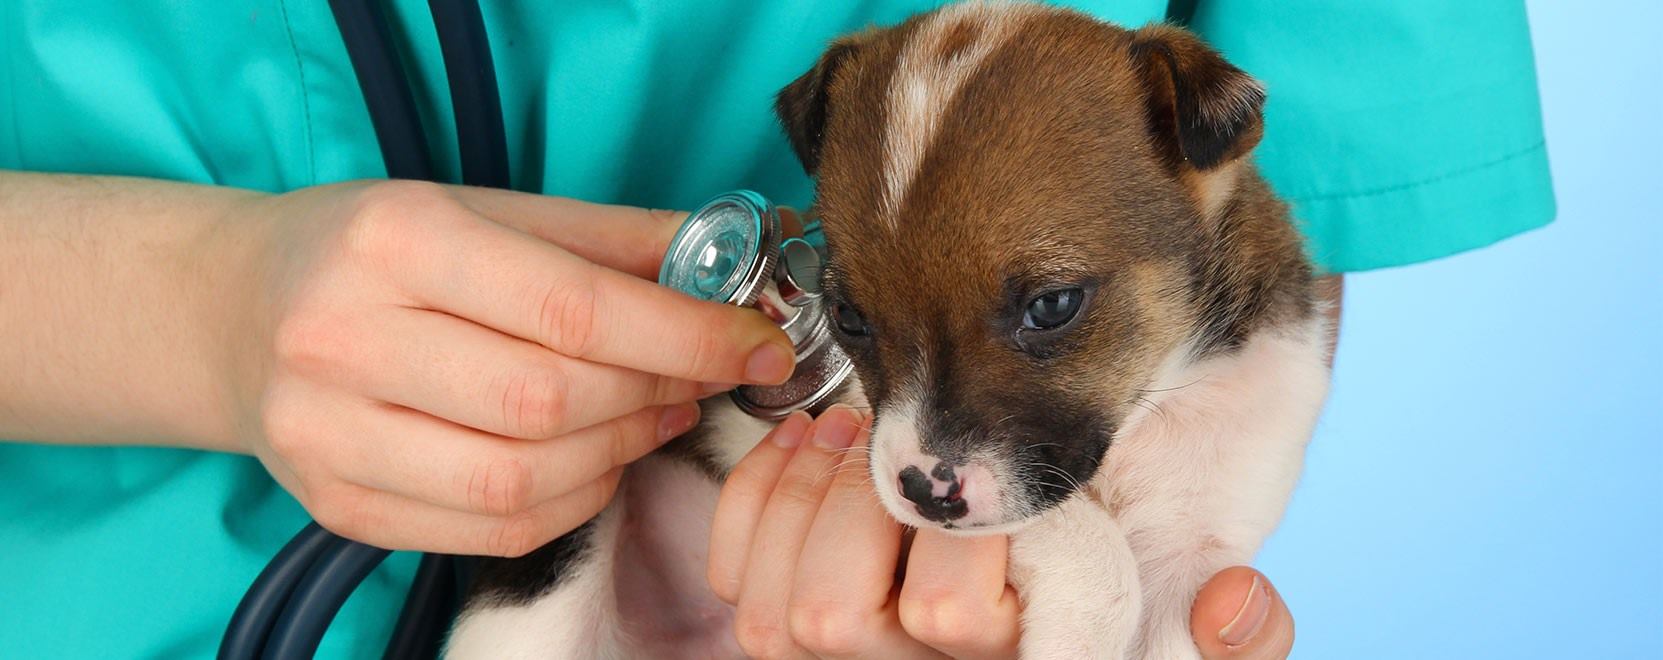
1488	478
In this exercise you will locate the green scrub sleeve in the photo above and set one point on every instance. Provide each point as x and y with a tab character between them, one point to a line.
1400	130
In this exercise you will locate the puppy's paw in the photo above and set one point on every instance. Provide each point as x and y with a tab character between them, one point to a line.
1079	585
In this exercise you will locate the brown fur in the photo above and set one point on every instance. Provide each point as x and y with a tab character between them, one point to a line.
1078	153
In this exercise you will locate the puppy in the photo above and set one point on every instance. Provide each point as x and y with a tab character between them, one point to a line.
1078	314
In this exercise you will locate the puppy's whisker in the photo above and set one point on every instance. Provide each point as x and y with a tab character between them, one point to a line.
1171	389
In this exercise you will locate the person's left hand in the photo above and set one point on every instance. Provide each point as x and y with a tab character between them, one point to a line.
817	569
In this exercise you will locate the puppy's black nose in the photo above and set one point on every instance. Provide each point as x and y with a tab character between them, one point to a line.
938	495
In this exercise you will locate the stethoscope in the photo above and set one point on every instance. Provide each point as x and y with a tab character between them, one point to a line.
732	249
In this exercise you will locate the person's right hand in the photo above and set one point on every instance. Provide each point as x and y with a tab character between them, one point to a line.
464	370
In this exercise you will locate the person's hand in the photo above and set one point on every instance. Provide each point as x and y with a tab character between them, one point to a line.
465	370
816	568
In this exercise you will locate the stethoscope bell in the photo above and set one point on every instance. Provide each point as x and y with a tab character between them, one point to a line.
730	250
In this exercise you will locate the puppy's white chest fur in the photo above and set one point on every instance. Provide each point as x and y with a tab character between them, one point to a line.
1194	483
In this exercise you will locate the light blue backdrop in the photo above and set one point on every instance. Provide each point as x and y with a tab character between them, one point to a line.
1488	480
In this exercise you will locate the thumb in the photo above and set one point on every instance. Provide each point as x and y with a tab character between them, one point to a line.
1238	615
623	238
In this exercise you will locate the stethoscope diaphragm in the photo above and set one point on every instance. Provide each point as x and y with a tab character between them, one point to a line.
731	250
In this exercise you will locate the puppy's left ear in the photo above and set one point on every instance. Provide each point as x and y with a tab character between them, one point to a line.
1204	111
801	106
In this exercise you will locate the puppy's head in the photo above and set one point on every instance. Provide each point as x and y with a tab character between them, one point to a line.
1018	203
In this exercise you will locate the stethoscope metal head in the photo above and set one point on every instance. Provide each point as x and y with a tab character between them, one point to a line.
732	250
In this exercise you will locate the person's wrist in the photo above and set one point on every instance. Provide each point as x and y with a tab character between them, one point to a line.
240	259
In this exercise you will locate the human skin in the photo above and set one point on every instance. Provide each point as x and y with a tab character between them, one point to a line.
434	368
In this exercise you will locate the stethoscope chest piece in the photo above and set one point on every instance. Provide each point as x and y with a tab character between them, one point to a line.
732	250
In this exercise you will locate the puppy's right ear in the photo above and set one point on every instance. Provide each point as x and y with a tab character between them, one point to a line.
801	106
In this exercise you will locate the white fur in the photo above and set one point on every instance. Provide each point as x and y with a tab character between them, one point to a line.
923	85
580	618
576	620
733	426
1079	584
1197	483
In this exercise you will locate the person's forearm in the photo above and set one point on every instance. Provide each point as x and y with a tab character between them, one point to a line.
117	307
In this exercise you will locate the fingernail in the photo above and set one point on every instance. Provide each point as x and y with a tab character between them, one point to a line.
1250	618
770	364
837	428
708	389
676	420
789	433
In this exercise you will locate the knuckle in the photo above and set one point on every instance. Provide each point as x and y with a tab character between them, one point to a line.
664	216
828	629
534	402
514	537
761	637
567	316
798	491
664	390
338	510
627	437
938	620
618	434
746	482
387	214
501	487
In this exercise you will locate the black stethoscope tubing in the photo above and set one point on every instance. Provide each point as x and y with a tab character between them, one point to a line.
290	605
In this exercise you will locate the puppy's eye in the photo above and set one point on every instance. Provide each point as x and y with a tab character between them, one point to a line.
849	321
1054	309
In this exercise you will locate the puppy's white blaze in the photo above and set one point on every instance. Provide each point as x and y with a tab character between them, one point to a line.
924	84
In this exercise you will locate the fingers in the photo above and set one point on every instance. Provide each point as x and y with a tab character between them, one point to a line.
955	597
765	590
482	379
760	619
744	495
624	238
386	520
1238	615
523	286
841	603
440	464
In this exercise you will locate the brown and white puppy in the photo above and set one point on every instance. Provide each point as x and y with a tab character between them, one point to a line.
1077	313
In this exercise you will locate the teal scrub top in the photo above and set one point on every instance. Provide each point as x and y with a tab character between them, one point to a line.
1401	130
